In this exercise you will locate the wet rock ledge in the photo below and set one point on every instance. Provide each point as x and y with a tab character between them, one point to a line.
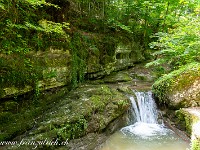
87	109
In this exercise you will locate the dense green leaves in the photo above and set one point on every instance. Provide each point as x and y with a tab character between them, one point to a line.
25	26
179	46
144	18
24	29
29	25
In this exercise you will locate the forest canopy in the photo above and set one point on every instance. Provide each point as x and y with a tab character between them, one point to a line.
48	20
168	28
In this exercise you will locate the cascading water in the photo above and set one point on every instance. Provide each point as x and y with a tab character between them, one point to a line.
145	132
144	108
145	117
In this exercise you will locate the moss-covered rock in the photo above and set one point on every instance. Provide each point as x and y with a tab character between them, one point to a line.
18	116
180	88
45	70
117	77
190	117
127	54
88	109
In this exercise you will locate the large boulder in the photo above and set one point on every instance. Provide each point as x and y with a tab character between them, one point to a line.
180	88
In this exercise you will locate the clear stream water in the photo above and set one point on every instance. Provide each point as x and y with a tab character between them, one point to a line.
145	132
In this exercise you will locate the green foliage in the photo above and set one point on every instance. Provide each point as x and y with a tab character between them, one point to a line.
79	49
18	73
26	27
36	3
180	46
141	18
72	130
137	19
196	144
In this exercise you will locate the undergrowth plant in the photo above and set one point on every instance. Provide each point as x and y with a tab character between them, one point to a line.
178	47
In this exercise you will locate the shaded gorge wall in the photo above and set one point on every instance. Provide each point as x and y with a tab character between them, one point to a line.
86	57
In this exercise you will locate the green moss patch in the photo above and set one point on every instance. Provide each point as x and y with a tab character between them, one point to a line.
190	118
195	145
117	77
178	81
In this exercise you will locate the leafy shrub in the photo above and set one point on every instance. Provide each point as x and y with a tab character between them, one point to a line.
180	46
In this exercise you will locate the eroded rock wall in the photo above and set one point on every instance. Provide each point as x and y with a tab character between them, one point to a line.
56	68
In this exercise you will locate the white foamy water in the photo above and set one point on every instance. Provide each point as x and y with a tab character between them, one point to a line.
146	133
146	130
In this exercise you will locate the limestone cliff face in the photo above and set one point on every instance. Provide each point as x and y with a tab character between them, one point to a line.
54	71
180	88
56	67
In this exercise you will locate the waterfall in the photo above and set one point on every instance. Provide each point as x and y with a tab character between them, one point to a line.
144	108
144	117
145	131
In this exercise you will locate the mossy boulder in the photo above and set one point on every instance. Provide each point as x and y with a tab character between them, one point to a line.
180	88
190	117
